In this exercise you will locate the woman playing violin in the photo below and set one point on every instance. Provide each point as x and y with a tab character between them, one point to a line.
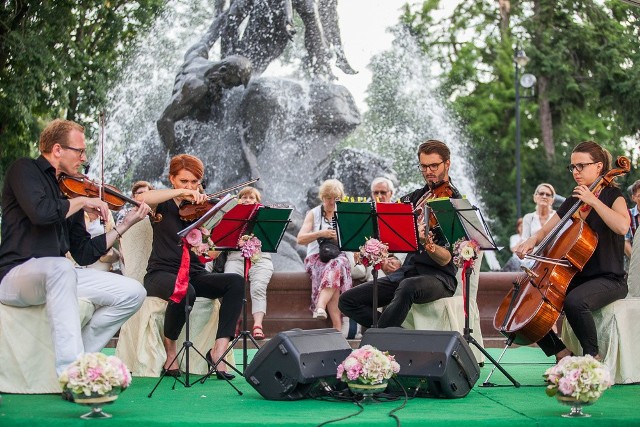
185	175
601	280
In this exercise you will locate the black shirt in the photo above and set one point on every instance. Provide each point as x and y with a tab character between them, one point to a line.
607	260
166	250
33	219
419	262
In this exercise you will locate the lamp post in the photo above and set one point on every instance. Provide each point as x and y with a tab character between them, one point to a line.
520	59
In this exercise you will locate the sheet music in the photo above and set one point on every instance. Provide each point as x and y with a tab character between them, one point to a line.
213	215
470	220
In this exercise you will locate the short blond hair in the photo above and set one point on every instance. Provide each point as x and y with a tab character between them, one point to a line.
331	188
250	190
57	132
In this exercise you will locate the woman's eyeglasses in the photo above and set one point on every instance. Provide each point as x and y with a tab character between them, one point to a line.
545	194
579	166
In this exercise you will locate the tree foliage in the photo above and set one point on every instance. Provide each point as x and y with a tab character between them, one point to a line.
586	57
59	59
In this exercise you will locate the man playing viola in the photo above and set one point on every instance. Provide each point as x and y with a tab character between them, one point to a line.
39	226
427	274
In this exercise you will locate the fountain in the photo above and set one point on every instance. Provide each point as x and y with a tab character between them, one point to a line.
286	131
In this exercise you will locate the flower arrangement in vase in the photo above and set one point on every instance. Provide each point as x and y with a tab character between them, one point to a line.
577	381
95	379
367	370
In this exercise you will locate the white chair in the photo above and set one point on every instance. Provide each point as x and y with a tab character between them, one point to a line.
140	343
447	314
618	331
29	367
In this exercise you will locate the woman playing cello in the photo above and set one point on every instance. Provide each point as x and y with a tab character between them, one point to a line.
601	280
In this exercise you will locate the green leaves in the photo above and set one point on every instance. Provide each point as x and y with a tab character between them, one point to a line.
59	59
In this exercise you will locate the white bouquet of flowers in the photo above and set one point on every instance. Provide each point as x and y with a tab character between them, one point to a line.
583	378
95	374
465	251
368	365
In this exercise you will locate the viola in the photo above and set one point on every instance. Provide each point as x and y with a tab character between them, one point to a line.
436	191
190	211
82	186
533	305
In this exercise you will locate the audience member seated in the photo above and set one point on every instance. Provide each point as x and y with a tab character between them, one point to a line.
331	277
259	273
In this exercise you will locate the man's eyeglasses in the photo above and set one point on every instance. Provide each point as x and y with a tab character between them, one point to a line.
80	151
432	167
545	194
579	166
382	193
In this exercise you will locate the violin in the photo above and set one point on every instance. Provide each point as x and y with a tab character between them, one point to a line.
190	211
82	186
531	308
437	190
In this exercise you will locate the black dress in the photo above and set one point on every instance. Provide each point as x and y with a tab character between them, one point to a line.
162	270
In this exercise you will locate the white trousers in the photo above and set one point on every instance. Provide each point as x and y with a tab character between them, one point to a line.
259	276
54	281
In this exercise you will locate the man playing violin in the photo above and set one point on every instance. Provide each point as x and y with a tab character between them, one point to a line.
39	226
601	280
427	274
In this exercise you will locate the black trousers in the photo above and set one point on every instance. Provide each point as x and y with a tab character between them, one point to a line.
228	286
579	303
357	302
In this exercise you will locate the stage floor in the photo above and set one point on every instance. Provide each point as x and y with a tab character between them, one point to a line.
216	403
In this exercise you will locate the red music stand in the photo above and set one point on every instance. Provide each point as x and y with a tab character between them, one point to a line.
392	223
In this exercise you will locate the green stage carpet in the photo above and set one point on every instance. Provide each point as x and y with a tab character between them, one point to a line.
216	403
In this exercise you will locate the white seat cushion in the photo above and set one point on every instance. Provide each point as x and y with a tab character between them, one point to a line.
618	338
447	314
140	344
26	348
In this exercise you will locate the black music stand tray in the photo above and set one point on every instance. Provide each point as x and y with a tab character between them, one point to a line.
266	223
458	219
392	223
208	220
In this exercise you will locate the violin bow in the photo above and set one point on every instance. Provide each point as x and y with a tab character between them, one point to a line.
101	119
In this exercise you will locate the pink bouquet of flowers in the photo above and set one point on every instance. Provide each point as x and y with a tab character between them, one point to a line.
373	252
581	377
250	247
200	241
95	374
368	365
465	252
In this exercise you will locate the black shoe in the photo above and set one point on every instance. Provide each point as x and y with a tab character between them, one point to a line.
219	374
66	395
175	373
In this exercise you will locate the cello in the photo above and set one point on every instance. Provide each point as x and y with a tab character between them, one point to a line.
531	308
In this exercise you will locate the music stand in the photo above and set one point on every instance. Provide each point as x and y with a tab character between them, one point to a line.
266	223
392	223
458	219
208	220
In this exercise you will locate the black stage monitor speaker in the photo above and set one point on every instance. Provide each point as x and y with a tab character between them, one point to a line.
291	364
432	363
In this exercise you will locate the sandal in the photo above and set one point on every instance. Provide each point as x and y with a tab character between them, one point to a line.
258	333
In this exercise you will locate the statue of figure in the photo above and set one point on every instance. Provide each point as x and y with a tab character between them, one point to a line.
270	27
198	87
